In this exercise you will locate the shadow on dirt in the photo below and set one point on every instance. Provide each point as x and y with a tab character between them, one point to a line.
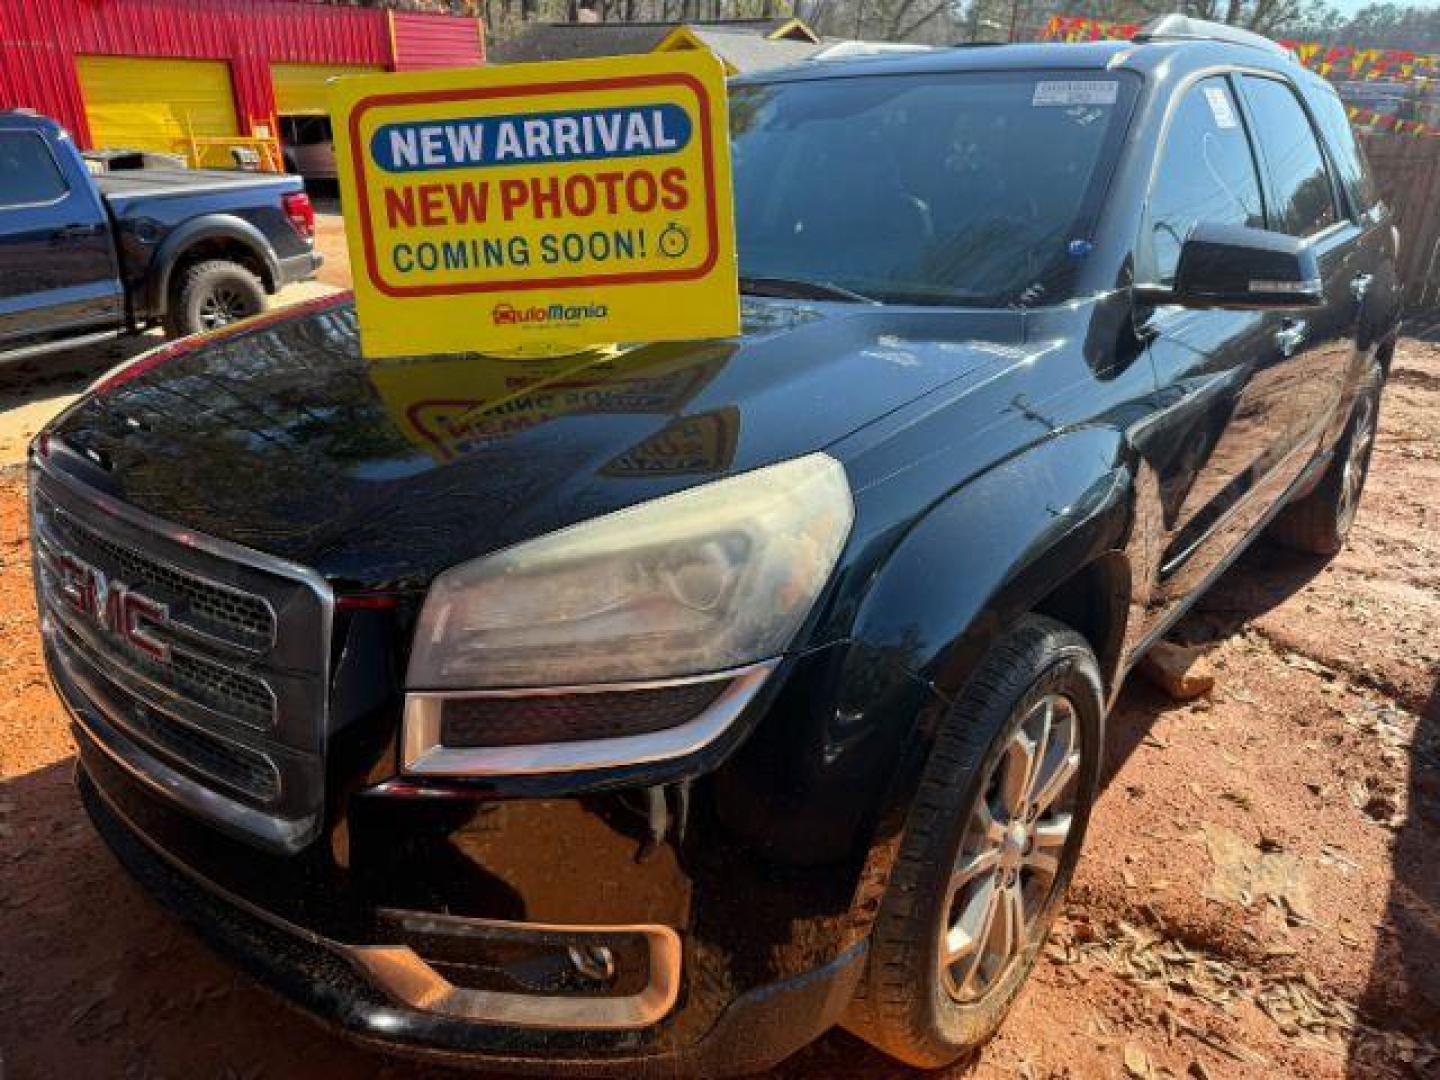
1402	997
1262	578
99	980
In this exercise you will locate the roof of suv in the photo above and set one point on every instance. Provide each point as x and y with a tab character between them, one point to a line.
1141	56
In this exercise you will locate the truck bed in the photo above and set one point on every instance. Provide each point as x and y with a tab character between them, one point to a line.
134	184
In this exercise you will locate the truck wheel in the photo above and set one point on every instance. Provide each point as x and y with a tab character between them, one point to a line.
989	846
213	294
1319	522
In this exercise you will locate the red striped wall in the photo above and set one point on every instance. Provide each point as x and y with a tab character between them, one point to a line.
39	40
436	41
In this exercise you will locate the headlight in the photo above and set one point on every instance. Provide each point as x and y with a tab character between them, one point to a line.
712	578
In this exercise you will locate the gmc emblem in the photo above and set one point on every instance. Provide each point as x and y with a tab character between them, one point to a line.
112	605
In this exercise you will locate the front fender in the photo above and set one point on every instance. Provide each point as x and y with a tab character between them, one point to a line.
993	549
199	230
959	576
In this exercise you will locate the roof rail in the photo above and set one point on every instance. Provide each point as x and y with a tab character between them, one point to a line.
1184	28
851	50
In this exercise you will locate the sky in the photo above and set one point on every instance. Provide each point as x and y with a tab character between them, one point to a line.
1350	7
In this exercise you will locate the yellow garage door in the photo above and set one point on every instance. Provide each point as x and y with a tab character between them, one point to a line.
156	104
300	89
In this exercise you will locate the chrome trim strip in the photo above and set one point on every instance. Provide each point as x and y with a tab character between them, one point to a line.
44	348
399	971
286	835
423	755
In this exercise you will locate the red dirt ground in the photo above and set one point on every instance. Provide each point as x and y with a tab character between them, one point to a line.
1312	774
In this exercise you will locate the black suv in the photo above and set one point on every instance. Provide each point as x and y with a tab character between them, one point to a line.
661	706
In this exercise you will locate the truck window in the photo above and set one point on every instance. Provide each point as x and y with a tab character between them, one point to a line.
28	173
1350	161
1304	196
1206	173
971	189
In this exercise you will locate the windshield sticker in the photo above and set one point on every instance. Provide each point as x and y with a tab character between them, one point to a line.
1220	108
1075	92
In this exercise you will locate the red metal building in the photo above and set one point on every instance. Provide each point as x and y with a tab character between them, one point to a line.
63	58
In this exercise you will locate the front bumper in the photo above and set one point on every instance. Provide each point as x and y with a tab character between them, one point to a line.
766	954
754	1031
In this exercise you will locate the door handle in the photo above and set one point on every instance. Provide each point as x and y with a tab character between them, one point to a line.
1360	285
1291	336
74	232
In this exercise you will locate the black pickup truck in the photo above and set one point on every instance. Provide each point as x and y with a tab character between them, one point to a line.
655	709
84	258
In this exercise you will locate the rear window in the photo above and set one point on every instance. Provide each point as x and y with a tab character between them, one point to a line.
28	173
1350	161
974	188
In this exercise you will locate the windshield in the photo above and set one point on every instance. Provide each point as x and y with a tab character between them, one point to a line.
974	189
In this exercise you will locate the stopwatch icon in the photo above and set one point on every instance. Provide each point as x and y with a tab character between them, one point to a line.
674	241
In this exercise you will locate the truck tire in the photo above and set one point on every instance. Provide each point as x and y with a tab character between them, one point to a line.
989	845
1319	522
213	294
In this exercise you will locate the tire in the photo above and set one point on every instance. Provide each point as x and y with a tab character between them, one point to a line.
1319	522
911	1004
213	294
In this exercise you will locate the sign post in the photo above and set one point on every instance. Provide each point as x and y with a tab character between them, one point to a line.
539	208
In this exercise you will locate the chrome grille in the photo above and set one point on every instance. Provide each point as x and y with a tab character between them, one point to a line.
207	606
244	771
243	696
200	665
186	678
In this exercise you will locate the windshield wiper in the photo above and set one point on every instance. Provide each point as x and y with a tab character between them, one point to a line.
801	289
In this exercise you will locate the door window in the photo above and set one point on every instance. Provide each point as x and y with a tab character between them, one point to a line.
1350	160
28	173
1207	173
1304	197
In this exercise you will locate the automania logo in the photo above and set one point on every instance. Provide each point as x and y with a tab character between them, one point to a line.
112	605
509	315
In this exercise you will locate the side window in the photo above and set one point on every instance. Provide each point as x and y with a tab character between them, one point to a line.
1349	156
28	173
1206	173
1304	198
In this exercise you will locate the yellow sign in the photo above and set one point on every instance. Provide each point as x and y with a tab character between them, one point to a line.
539	208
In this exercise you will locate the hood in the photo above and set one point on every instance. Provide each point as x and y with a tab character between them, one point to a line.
280	436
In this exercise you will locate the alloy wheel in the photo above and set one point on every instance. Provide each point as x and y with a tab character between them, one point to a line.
1352	476
221	307
1008	866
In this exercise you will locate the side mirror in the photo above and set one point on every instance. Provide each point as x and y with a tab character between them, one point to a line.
1231	266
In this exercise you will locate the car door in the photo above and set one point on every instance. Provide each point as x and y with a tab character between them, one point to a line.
1212	443
57	262
1304	200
